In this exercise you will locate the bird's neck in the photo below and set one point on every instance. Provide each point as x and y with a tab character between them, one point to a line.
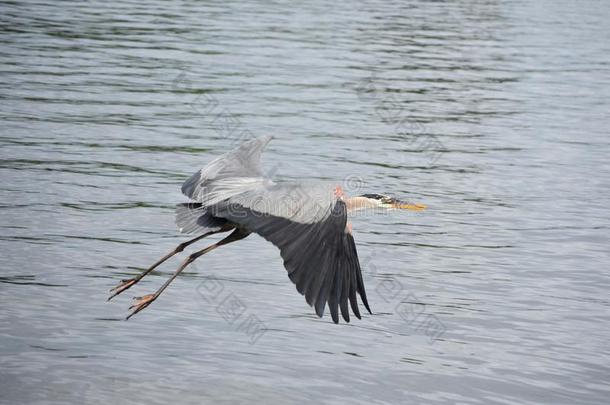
360	203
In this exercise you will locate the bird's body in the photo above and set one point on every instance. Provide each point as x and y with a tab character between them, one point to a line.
306	221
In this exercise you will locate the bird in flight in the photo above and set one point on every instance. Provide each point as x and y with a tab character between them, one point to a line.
306	221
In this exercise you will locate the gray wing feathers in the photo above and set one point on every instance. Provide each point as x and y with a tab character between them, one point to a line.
194	218
304	221
320	257
299	202
244	161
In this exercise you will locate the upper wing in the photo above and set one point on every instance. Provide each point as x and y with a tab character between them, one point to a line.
240	163
310	231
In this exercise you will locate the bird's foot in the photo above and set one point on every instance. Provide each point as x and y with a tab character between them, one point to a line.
123	285
140	303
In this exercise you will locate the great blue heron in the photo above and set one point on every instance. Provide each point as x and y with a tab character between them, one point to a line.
307	222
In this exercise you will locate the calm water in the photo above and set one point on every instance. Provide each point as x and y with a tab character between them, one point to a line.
493	113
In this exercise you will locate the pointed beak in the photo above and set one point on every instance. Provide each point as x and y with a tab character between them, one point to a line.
403	205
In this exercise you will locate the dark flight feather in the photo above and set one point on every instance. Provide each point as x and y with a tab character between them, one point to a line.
320	257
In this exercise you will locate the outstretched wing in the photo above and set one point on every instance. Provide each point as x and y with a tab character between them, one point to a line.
310	231
241	163
232	173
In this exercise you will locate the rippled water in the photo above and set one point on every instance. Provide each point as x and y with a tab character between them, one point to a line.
493	113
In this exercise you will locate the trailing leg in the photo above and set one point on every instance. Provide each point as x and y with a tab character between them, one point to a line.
126	284
144	301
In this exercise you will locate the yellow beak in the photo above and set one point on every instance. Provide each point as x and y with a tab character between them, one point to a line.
409	206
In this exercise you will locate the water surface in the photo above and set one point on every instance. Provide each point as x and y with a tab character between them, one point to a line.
494	114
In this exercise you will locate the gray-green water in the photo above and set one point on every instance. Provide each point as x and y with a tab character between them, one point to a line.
497	294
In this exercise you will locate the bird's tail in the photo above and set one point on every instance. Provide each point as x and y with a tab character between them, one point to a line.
194	218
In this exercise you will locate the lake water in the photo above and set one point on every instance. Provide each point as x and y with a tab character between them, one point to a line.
495	114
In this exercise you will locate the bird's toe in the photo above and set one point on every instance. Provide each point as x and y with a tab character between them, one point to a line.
140	303
122	286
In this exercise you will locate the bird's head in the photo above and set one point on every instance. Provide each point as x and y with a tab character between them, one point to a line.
384	201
